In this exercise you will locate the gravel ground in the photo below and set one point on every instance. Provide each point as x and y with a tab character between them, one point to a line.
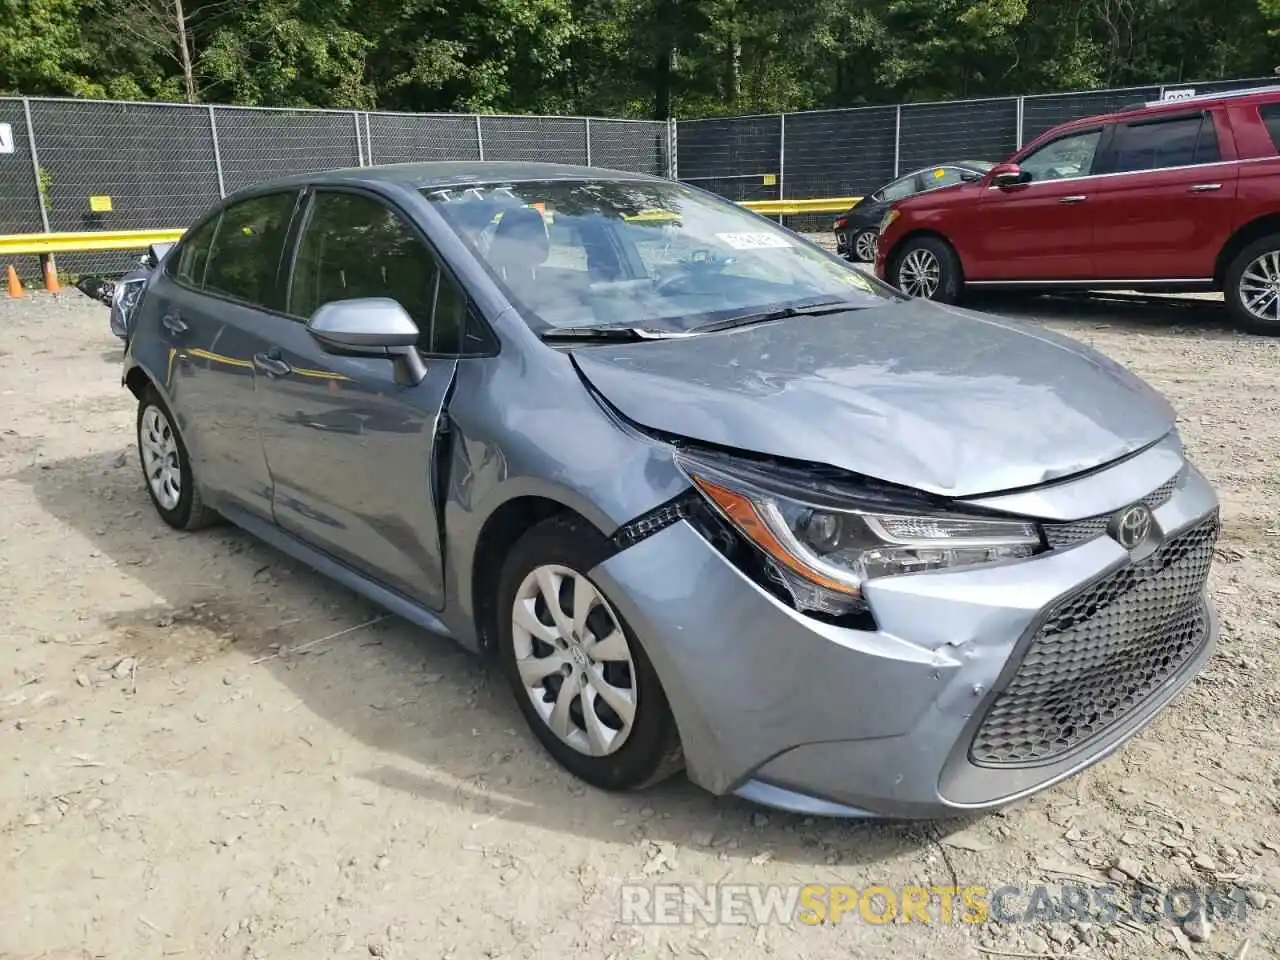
184	775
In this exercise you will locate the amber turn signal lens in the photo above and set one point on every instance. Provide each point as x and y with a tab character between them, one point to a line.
746	517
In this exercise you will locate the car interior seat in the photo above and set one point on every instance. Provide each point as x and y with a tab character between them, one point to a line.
519	247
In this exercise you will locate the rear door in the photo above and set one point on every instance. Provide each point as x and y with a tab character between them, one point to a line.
215	298
350	450
1166	204
1041	229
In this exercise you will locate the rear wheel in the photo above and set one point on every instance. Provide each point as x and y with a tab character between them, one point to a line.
581	679
864	247
166	467
1252	287
928	269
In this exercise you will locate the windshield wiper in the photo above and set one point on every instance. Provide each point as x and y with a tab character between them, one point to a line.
781	313
612	334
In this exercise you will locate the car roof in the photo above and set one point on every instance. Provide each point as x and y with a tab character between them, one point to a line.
450	173
1155	108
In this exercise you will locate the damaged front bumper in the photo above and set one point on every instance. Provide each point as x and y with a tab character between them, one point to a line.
957	701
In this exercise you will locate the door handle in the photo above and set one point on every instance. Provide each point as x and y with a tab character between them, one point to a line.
271	364
1205	187
174	324
1076	198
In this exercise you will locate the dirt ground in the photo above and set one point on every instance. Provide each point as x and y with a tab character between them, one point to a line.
189	768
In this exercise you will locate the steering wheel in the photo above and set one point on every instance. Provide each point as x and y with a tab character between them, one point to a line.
677	283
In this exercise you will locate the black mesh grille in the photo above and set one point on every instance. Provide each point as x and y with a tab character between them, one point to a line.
1101	653
1069	534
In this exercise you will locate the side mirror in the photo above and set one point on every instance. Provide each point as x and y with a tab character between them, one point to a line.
1006	175
370	327
970	176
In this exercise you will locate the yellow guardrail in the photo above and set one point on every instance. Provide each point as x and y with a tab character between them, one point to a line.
89	241
786	208
96	241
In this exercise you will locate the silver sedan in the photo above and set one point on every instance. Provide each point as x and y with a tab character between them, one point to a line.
715	500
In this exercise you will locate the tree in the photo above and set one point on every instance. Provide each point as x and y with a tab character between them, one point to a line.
642	58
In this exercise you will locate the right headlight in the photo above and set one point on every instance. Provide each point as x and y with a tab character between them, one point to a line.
824	550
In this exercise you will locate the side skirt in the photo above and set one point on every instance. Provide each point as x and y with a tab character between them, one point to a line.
335	570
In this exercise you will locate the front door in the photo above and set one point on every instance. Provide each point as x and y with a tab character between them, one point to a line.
350	450
1168	206
1041	229
214	298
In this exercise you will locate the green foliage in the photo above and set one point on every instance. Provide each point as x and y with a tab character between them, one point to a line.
45	180
622	57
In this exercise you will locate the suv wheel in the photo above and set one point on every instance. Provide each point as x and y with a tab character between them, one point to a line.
864	247
166	467
1252	286
927	268
581	679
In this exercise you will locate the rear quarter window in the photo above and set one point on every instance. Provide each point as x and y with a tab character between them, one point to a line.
1270	114
188	266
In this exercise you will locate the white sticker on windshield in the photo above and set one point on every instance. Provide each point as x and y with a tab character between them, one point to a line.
753	241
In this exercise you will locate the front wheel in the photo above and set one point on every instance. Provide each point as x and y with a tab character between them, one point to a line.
1252	287
581	679
928	269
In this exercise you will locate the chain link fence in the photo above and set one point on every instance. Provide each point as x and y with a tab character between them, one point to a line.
163	164
851	152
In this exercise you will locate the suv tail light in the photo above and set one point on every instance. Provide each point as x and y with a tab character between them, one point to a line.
840	223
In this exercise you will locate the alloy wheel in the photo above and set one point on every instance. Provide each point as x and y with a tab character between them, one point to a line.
160	460
1260	287
865	246
574	660
919	274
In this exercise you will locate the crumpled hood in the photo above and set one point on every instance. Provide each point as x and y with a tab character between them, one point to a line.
936	398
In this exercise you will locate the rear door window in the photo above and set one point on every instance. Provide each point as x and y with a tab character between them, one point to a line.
1160	144
901	188
245	256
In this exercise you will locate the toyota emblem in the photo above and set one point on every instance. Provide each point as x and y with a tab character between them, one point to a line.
1132	526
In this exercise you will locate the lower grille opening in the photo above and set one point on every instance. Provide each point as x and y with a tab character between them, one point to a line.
1101	653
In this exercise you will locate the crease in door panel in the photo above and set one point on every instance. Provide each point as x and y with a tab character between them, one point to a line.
441	456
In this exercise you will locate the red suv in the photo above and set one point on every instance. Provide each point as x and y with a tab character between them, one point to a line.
1172	196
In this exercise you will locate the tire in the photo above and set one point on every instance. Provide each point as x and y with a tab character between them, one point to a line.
949	283
1243	263
554	554
163	455
863	240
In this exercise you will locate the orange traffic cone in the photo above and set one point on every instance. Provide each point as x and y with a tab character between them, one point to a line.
15	285
51	276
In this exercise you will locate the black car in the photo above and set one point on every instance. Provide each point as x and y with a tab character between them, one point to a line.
856	228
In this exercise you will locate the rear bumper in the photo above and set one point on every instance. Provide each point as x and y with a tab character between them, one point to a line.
881	261
802	715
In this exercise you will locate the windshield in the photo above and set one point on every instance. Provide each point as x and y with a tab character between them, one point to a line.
656	255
